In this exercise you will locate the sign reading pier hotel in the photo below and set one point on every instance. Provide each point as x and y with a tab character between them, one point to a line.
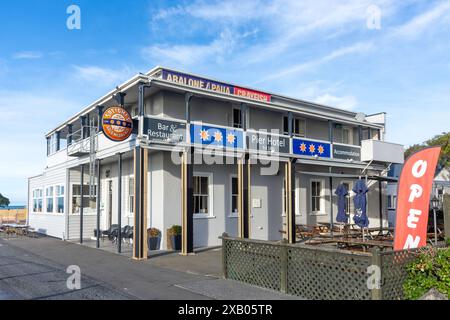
201	83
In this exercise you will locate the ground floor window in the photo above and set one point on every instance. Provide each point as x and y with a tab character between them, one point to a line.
49	199
37	200
88	203
202	194
131	195
392	202
317	196
234	196
348	200
60	199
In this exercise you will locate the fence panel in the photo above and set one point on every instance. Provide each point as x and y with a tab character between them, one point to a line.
319	274
314	272
254	263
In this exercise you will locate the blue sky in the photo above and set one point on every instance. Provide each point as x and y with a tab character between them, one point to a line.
321	50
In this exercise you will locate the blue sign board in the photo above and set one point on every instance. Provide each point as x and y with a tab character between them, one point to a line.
219	137
311	148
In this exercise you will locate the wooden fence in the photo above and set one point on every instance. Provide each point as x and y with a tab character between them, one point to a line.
13	215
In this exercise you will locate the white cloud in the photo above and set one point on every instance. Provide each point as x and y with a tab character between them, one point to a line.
424	21
188	55
345	102
28	55
102	76
298	68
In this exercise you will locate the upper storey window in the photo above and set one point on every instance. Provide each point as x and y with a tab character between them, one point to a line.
298	126
237	118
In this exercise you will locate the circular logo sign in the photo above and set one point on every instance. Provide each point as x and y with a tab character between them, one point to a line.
117	123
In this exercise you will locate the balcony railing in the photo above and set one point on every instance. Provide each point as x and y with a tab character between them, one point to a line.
82	142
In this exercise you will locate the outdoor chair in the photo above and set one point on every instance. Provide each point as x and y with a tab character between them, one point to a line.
127	234
113	233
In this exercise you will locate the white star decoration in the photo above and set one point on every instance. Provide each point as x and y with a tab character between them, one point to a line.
231	138
218	136
204	135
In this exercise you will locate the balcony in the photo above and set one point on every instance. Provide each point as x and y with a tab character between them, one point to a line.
381	151
81	145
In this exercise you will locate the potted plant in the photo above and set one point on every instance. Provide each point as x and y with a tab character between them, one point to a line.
153	238
175	237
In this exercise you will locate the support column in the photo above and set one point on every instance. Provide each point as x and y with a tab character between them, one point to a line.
140	203
99	193
290	200
100	115
187	186
83	129
82	206
330	131
331	206
380	203
187	180
69	134
243	196
58	141
119	202
360	132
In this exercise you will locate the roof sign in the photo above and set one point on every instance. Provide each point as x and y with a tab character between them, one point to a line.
210	85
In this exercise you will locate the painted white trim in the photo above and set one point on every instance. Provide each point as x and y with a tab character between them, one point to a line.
165	118
322	197
210	177
347	145
40	198
200	123
230	188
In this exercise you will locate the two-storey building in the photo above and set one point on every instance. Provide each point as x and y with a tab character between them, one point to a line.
210	156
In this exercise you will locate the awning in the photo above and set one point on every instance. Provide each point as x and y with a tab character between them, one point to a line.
348	176
328	163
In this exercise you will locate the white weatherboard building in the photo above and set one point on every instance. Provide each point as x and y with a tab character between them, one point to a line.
280	161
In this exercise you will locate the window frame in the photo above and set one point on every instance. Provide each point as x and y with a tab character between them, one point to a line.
233	214
349	198
57	196
350	135
130	196
210	214
89	211
38	194
285	121
322	200
52	197
240	124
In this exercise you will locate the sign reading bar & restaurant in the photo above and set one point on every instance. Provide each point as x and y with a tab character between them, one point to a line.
206	84
346	152
267	143
165	130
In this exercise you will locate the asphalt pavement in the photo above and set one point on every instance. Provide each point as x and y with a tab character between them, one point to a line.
36	269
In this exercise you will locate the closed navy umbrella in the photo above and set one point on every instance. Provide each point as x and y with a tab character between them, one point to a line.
360	189
342	193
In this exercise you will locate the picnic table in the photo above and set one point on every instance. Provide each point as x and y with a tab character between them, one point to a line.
17	229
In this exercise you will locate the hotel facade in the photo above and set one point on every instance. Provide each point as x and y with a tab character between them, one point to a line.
210	156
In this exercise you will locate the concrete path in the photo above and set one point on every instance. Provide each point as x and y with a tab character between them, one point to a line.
36	269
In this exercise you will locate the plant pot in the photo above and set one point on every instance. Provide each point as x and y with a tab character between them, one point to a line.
154	243
176	242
